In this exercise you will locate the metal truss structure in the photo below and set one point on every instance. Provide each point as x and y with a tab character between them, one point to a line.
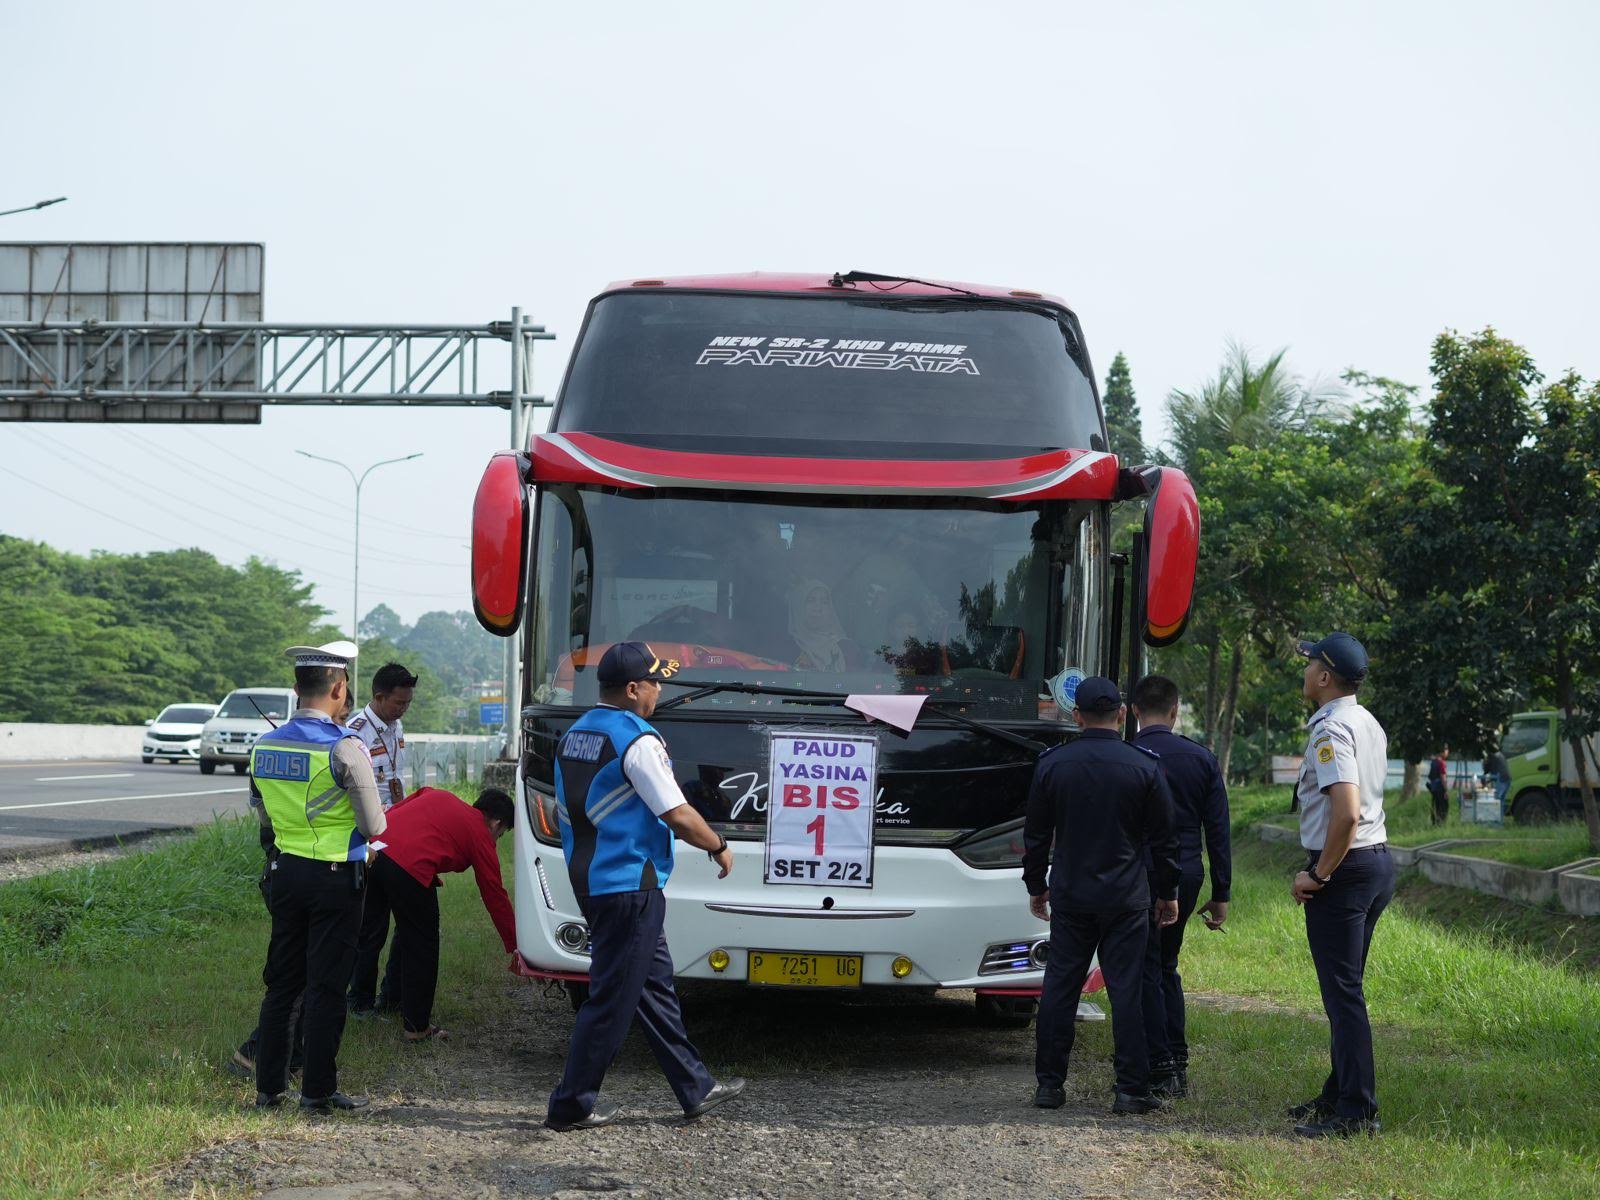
223	372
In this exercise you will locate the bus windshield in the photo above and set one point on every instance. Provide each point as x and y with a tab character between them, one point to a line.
829	376
974	600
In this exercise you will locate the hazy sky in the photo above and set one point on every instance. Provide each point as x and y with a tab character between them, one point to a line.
1342	179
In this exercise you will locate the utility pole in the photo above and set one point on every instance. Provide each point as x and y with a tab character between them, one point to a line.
519	434
355	585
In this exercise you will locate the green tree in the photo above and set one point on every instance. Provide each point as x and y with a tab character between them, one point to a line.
1505	553
1122	413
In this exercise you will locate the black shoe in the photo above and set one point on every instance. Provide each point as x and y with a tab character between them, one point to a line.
338	1101
268	1100
1045	1096
1312	1112
1136	1103
603	1114
1339	1127
1170	1085
719	1092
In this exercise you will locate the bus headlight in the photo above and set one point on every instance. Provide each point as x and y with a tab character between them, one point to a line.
900	967
574	937
993	849
545	822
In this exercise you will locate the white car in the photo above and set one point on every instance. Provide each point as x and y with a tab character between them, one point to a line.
246	714
175	734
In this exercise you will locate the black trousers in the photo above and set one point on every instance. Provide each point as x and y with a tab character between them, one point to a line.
630	978
297	1033
316	919
416	937
1120	939
1162	992
1340	920
1441	800
365	991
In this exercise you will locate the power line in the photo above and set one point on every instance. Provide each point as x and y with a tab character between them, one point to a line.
160	537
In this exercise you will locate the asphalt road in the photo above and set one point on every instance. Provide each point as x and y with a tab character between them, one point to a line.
50	805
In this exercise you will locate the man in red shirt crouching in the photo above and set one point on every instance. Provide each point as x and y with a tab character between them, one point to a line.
434	833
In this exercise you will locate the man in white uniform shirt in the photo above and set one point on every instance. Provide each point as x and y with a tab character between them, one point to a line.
1348	879
378	726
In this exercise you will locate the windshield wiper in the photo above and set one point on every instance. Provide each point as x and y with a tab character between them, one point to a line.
849	277
809	696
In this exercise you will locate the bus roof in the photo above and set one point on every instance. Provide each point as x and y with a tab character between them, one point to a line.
789	281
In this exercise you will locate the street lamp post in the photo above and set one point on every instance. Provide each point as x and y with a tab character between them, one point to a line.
30	207
355	583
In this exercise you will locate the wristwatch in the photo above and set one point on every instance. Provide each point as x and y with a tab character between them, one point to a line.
722	844
1315	878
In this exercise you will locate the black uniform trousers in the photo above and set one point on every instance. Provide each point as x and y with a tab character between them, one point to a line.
365	990
1162	993
1120	938
316	919
297	1033
1340	920
391	889
630	977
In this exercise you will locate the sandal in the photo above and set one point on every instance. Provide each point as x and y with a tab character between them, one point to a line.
431	1033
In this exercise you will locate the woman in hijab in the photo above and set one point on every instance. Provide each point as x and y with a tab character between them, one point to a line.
816	631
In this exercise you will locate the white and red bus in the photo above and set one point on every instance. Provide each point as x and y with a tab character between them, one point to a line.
808	488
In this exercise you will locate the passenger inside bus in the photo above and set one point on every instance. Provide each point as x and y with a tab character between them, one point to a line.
819	639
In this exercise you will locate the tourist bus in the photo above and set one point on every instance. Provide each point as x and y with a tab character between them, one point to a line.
850	506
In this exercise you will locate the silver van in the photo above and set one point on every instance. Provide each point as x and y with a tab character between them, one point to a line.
245	715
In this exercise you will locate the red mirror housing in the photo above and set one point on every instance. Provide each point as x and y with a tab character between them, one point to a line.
1171	549
500	543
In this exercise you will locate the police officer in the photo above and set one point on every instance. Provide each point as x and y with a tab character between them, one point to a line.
1348	879
618	807
1200	809
318	791
1102	801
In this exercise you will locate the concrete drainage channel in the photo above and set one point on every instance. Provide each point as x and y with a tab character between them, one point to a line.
1572	886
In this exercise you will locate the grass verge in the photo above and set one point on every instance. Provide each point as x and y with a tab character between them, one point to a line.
1487	1038
126	984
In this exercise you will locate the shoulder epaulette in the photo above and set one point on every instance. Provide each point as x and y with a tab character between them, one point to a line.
1145	750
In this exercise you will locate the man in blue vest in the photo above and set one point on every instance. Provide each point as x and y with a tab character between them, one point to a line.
319	794
619	808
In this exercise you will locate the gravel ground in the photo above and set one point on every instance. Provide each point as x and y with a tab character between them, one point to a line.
27	866
866	1098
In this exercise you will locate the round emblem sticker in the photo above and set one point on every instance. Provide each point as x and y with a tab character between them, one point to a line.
1064	687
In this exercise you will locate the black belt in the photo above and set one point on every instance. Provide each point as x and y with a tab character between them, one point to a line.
317	862
1384	846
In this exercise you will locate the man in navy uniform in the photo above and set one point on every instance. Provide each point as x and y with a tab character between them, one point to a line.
619	806
1200	809
1348	879
1101	801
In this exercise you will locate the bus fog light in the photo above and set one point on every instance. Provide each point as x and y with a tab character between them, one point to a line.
900	967
574	937
1039	954
719	960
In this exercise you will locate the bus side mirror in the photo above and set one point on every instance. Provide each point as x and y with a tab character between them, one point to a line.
1171	550
500	543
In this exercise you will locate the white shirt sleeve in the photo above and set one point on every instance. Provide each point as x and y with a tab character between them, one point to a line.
649	770
1334	750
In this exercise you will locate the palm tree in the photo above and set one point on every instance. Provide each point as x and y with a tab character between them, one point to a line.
1248	404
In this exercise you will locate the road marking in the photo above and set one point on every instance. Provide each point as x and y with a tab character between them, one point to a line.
66	778
111	799
35	764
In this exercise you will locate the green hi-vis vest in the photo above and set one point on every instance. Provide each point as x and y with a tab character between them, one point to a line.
311	814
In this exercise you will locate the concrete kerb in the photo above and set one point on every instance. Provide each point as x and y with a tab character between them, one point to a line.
1578	892
1568	885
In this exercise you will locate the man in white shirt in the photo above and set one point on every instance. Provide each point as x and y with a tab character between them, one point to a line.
378	726
1348	879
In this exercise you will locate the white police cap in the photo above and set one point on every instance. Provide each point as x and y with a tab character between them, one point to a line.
334	654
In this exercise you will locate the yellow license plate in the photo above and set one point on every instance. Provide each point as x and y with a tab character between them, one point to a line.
781	968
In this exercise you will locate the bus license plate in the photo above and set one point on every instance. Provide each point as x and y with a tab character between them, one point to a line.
777	968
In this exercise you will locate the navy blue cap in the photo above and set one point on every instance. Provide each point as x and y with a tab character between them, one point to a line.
1340	653
1097	694
628	662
